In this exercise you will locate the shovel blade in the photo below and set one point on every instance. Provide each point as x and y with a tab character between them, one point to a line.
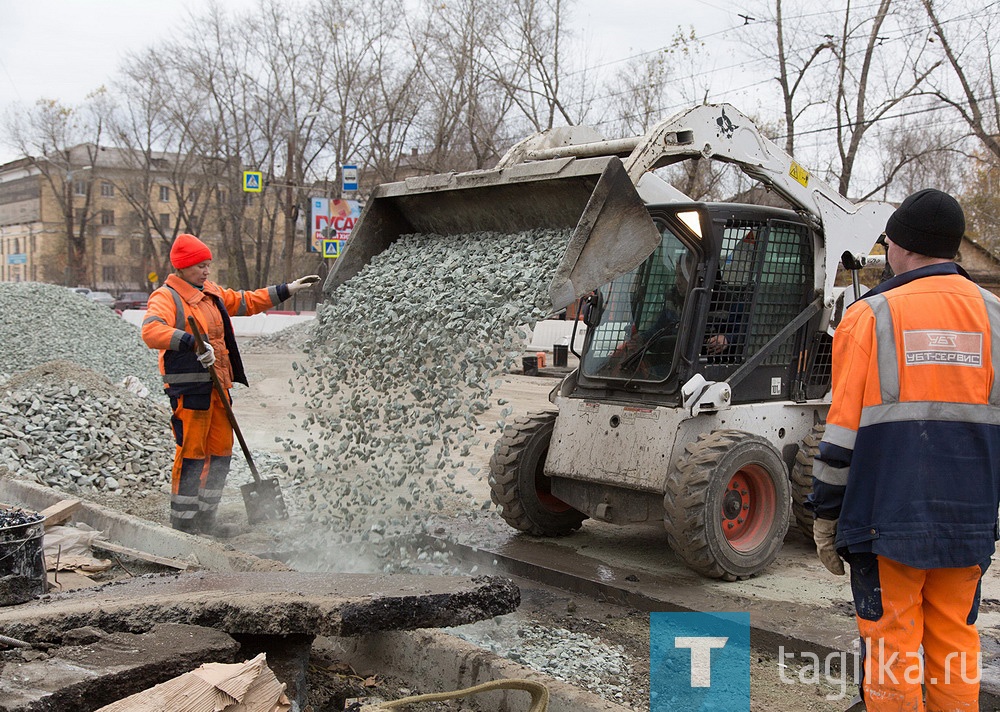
263	500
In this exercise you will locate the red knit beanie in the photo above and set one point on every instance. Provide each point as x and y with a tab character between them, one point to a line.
188	250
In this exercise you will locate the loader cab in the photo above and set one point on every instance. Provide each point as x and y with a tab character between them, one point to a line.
725	279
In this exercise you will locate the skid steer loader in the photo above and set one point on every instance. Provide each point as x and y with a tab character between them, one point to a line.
705	371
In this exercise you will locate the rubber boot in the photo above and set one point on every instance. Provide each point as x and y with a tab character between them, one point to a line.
207	525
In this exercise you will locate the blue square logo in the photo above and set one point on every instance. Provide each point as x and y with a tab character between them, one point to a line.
699	661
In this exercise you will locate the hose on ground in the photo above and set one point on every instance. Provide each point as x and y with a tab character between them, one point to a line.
539	695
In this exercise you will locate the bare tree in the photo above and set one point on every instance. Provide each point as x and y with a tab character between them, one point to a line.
63	144
967	42
461	122
638	92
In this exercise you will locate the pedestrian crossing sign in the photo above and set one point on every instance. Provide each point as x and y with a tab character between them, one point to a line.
331	249
253	181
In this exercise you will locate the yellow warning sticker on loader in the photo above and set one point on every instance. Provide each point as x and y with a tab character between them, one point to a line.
800	174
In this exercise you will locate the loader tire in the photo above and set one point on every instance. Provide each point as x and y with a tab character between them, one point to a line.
802	478
726	506
518	485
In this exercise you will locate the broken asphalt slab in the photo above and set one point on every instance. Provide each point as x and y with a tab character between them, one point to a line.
101	668
268	603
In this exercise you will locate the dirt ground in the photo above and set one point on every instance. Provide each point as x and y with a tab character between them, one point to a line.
264	411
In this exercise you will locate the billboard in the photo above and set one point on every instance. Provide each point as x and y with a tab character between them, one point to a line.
331	219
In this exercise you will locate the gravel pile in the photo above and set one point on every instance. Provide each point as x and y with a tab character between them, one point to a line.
404	358
73	429
579	659
44	322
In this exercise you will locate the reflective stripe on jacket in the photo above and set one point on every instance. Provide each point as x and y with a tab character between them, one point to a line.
165	328
912	439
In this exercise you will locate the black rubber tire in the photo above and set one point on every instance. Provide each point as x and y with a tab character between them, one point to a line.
518	485
698	489
802	478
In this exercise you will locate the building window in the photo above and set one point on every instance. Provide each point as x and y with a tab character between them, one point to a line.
79	187
34	244
135	246
107	189
165	222
107	245
164	193
17	246
108	273
248	199
107	217
79	214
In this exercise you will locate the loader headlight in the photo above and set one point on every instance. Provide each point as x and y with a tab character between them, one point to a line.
692	220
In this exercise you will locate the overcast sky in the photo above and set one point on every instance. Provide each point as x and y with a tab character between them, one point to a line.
64	49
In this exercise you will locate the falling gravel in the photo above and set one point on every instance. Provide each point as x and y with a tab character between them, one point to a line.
402	363
44	322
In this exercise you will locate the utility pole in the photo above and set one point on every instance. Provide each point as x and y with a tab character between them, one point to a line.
291	211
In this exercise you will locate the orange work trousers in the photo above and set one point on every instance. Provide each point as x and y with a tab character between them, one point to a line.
202	458
900	608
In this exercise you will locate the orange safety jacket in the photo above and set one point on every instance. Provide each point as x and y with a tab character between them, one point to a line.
165	328
910	460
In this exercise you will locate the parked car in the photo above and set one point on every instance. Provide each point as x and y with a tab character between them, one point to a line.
131	300
83	291
104	298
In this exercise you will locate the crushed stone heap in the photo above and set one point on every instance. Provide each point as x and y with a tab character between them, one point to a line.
403	359
72	429
45	322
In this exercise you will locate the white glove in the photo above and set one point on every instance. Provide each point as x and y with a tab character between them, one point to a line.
302	282
825	536
207	358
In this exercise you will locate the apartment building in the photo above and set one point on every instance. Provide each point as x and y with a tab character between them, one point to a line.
105	218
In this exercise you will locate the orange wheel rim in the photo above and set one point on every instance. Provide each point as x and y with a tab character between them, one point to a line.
749	506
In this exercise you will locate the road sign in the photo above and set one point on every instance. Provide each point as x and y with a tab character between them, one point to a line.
253	181
331	249
349	173
153	277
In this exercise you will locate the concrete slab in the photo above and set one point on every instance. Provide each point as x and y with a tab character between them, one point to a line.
79	678
285	603
138	533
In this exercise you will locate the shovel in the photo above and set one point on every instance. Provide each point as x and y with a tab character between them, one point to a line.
262	497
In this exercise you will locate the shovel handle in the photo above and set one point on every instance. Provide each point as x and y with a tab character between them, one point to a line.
224	397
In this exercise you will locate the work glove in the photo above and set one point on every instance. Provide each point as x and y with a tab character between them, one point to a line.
301	283
825	535
207	357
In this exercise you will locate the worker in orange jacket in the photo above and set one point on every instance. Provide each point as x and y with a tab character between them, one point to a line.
200	425
907	481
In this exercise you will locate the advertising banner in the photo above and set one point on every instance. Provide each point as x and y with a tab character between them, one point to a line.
331	219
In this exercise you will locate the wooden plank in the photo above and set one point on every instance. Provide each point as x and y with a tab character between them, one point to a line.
69	581
140	555
60	511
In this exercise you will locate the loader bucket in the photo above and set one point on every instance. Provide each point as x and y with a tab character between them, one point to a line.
612	231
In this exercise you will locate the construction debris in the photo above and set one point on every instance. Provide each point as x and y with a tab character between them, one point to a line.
249	686
89	667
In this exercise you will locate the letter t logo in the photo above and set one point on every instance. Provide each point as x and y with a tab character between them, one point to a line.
701	657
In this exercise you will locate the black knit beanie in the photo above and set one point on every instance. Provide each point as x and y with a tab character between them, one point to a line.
928	222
